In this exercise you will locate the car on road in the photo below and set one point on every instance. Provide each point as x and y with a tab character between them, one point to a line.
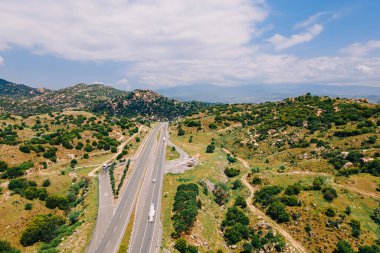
154	180
105	166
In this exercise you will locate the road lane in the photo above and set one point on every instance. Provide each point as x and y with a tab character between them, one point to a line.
145	235
114	231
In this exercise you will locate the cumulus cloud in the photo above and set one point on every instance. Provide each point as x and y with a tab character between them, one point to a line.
169	43
361	49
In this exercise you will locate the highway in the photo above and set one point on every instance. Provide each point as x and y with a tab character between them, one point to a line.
110	234
146	236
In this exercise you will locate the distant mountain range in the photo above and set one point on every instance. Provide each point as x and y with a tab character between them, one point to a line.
261	93
24	100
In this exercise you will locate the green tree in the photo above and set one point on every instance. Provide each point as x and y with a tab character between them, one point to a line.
181	245
277	211
343	247
329	193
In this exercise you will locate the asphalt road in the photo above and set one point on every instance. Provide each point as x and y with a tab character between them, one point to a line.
146	236
113	232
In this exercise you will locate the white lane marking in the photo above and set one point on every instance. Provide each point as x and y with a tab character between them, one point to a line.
115	228
108	244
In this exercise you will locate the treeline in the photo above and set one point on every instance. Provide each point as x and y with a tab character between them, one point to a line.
185	208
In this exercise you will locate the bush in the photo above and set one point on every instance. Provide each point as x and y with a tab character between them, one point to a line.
318	183
343	247
277	211
28	206
3	167
181	245
86	156
240	201
330	212
257	181
24	148
54	201
356	228
41	194
329	193
237	184
6	247
231	158
181	132
185	208
41	228
221	194
266	195
46	183
231	172
293	189
210	148
74	217
235	226
376	215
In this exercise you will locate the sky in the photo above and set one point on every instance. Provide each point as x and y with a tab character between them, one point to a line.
156	44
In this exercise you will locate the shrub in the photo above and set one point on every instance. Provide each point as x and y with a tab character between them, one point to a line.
329	193
376	215
181	132
318	183
240	201
6	247
74	217
266	195
41	228
293	189
231	172
28	206
277	211
210	148
3	166
41	194
343	247
356	228
231	158
86	156
185	208
24	148
181	245
54	201
330	212
237	184
257	181
221	194
46	183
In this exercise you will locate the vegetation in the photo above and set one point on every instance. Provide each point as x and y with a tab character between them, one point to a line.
185	208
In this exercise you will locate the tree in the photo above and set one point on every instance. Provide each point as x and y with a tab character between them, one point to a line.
240	201
237	184
231	172
330	212
41	228
356	229
376	215
348	210
343	247
6	247
329	193
369	249
221	193
318	183
181	132
247	248
293	189
181	245
73	163
277	211
210	148
46	183
28	206
256	242
54	201
3	166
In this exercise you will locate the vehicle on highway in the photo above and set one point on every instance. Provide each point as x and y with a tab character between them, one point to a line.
104	166
154	180
152	213
164	139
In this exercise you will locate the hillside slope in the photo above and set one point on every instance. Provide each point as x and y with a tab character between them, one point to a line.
23	100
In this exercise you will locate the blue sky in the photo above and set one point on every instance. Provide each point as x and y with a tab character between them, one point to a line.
163	43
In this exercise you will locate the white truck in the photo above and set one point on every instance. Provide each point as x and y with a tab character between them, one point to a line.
152	213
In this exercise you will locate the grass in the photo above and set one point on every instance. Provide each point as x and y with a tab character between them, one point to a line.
206	231
171	153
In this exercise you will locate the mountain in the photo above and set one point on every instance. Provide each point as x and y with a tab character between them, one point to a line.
257	93
24	100
9	89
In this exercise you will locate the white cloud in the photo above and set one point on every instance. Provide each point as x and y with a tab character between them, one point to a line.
168	43
310	21
361	49
281	42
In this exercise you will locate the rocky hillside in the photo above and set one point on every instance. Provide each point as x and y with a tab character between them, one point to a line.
23	100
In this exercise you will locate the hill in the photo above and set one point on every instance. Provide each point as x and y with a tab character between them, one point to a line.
20	99
310	163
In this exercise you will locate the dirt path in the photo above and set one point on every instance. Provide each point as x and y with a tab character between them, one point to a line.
347	187
294	244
